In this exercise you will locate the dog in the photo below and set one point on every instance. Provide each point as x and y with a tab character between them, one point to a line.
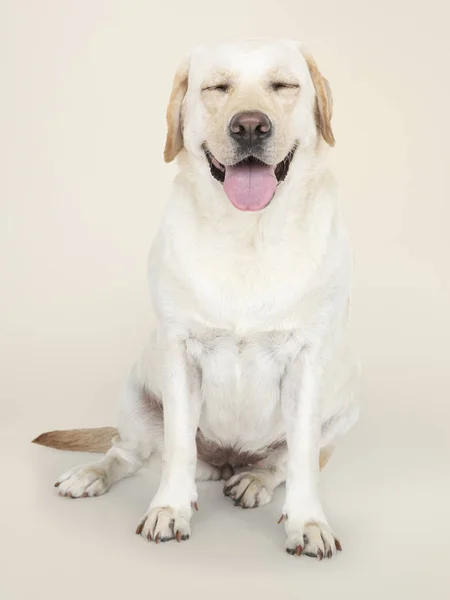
249	376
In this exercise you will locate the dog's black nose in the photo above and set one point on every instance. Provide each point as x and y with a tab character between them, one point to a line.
250	127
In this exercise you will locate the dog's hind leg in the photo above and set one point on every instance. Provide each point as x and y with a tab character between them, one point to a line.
254	486
140	432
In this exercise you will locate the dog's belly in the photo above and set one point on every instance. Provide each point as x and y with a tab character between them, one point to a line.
241	418
219	455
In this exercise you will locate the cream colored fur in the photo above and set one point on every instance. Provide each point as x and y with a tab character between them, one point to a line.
251	344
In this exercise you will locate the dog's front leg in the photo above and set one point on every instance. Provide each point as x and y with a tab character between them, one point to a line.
307	528
170	511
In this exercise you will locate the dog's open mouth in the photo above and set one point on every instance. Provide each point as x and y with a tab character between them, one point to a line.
249	184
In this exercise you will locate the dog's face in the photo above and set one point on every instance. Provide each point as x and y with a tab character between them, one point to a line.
245	108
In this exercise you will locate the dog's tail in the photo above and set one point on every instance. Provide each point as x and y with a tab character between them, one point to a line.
79	440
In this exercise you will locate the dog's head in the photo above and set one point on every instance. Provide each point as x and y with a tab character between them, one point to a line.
244	109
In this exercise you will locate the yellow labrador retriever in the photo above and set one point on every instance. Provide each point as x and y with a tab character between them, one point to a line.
248	376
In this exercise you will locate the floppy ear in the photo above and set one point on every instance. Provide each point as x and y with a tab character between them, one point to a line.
324	100
174	139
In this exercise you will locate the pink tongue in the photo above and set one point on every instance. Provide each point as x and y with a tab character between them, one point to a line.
250	186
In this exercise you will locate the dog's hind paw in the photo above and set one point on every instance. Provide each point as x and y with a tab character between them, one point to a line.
83	482
249	489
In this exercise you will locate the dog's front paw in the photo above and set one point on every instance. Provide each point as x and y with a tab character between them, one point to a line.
313	538
82	482
164	523
248	489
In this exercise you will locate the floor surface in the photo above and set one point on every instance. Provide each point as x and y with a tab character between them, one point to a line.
386	496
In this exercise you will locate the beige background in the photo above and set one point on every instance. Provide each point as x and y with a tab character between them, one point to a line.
84	86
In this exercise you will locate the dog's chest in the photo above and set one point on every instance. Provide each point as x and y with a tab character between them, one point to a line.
241	380
251	282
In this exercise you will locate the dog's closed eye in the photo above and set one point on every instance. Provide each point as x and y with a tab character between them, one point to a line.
221	87
278	86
